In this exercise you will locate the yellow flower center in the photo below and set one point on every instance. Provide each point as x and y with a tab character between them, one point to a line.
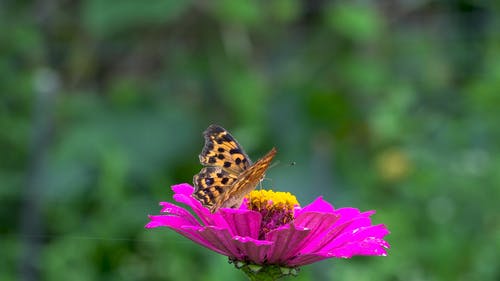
271	200
275	207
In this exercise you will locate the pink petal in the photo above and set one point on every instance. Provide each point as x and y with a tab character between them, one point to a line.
175	210
195	234
357	235
237	247
221	239
347	214
168	221
371	247
176	224
305	259
331	237
319	224
285	241
245	223
185	196
183	188
255	250
244	204
350	226
318	205
318	231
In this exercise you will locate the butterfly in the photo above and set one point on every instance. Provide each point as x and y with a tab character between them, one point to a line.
228	175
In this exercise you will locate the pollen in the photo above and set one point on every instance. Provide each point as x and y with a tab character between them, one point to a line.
276	208
271	200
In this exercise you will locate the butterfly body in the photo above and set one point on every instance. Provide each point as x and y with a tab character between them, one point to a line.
228	175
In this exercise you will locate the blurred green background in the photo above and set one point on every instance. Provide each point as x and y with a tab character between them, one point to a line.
385	105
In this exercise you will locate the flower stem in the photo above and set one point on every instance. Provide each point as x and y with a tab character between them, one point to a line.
264	272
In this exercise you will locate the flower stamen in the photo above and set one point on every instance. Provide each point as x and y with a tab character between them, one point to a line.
276	208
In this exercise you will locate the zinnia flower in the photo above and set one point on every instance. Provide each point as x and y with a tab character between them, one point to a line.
270	234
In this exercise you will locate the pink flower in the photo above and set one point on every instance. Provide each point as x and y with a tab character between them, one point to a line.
263	233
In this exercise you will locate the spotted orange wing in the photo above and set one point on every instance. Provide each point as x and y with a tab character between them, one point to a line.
245	183
228	174
222	150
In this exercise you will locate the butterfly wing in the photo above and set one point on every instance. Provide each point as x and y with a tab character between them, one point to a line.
228	175
222	150
211	183
244	184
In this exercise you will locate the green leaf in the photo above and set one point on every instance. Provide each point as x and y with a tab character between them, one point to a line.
359	22
107	17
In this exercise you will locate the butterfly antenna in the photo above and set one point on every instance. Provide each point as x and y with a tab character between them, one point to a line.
274	164
265	179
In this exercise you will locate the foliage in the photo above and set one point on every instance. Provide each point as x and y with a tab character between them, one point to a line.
390	106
